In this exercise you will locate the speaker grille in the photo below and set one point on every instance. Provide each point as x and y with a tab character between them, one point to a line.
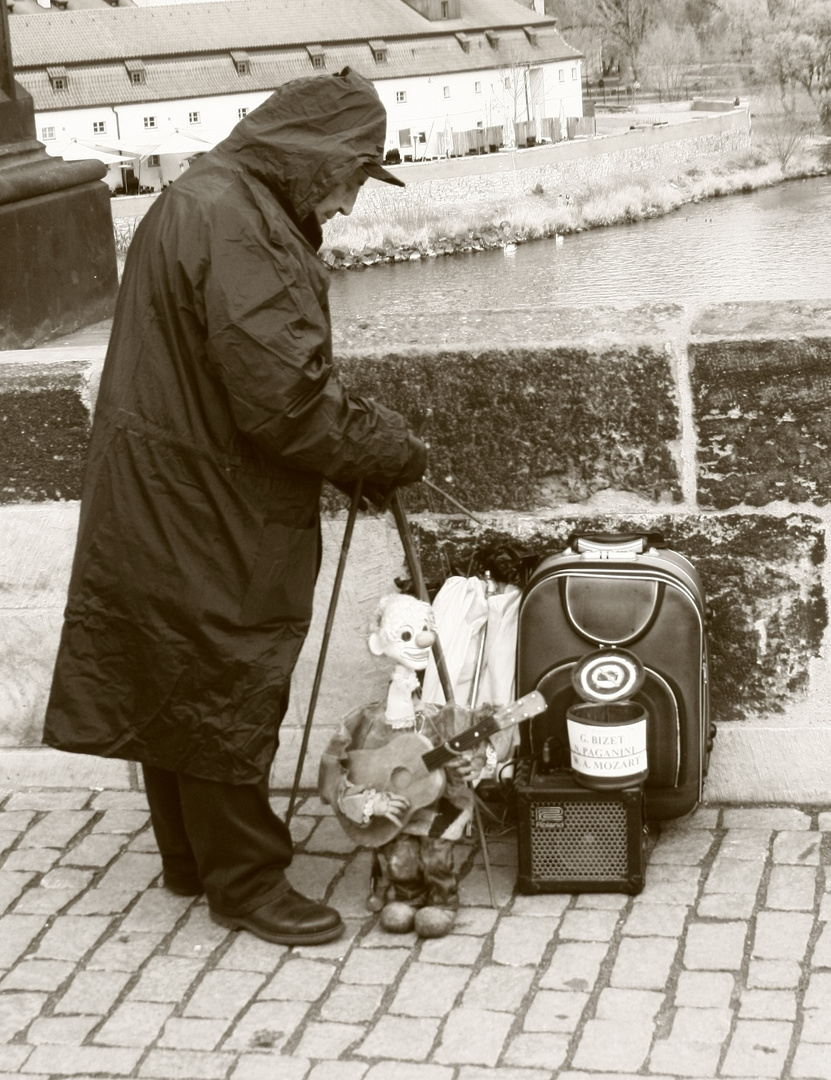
585	840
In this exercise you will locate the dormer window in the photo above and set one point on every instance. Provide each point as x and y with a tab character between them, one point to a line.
531	34
493	38
136	72
58	78
463	40
379	51
445	9
242	62
317	55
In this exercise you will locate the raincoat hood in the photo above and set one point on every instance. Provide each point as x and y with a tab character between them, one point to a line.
310	136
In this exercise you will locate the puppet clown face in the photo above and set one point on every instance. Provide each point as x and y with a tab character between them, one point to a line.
405	631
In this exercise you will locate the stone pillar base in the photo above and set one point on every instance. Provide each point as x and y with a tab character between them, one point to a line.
58	269
58	272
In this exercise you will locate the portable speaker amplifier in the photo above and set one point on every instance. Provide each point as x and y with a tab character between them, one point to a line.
572	839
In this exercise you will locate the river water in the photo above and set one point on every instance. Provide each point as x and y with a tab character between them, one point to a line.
773	244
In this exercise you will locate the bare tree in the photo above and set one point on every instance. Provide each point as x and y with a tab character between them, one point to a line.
666	59
628	22
793	49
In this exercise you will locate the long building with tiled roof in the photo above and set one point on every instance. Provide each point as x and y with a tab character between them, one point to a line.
135	74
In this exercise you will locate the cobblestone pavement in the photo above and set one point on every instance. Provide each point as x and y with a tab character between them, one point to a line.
721	967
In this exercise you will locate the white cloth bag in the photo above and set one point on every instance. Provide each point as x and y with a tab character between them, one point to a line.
462	611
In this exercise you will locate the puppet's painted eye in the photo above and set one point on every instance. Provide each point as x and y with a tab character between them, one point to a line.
406	635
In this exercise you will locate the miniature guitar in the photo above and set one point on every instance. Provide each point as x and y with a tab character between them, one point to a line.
410	765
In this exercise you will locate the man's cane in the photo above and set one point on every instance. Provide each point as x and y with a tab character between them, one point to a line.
324	645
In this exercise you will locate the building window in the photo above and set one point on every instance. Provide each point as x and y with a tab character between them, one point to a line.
422	136
477	88
154	161
57	78
400	97
445	9
135	69
242	62
507	83
404	138
99	127
562	75
149	121
480	123
446	91
574	73
47	133
194	118
379	51
242	112
317	55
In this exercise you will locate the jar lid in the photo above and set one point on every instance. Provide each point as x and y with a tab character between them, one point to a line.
608	675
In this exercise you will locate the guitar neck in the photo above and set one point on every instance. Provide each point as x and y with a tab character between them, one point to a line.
440	755
530	705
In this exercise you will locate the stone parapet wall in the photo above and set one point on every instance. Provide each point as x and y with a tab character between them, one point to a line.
687	137
660	151
709	424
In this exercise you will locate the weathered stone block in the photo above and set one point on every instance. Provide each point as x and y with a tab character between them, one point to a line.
45	431
761	382
531	426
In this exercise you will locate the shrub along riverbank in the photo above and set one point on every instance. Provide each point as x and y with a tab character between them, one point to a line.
424	230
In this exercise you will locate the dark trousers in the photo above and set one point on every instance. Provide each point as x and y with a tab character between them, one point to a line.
224	836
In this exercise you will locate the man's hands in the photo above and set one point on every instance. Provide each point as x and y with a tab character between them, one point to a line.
379	493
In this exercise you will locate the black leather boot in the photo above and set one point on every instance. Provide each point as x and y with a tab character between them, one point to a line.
288	919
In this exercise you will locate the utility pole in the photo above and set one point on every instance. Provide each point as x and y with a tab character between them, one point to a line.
58	268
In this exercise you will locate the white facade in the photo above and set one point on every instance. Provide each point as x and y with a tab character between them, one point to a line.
137	130
422	112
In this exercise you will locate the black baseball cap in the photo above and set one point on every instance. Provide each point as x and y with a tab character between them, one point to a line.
378	172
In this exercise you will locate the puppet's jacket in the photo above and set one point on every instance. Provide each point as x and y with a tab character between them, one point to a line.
366	729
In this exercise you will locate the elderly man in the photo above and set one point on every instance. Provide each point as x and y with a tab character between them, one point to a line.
217	418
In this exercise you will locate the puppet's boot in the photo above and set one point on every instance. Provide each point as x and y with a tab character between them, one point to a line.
406	892
430	922
397	917
438	916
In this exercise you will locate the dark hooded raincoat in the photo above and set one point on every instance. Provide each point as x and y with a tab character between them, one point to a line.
217	417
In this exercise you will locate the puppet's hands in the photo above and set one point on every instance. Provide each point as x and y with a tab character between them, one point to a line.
462	768
389	805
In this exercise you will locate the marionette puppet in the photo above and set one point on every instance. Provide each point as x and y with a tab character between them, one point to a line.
396	775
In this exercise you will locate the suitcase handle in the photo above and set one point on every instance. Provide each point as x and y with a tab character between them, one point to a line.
615	543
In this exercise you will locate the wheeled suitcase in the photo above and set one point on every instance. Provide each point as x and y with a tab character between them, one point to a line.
607	592
571	839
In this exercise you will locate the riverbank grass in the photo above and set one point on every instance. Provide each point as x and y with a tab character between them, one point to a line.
379	230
